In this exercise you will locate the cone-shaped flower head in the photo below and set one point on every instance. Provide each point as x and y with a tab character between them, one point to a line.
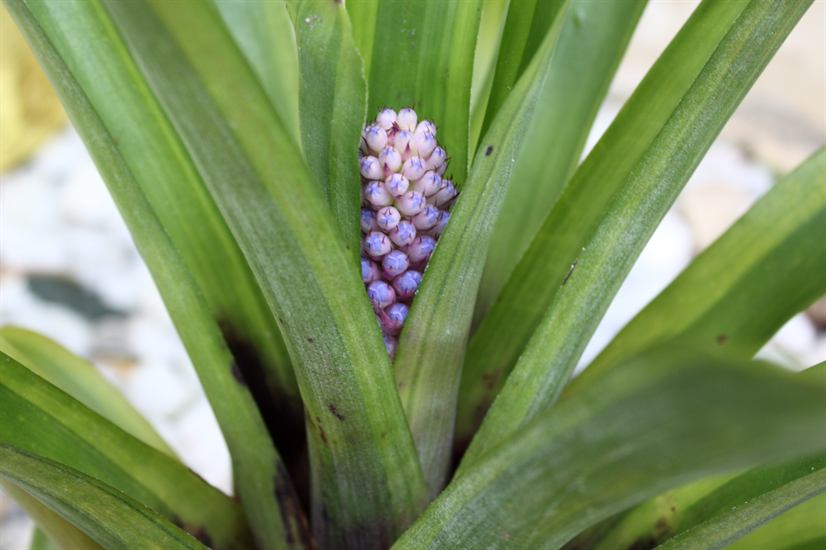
405	202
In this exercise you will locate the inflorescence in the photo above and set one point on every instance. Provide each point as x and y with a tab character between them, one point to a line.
405	207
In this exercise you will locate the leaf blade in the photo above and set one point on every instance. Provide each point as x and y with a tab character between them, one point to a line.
657	421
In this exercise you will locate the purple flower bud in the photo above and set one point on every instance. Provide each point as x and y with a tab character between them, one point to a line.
387	218
436	159
375	137
394	318
390	160
368	220
390	343
406	119
439	228
371	168
427	218
445	194
369	270
413	168
411	203
421	248
397	185
395	263
403	234
386	118
407	283
376	244
423	144
381	294
401	142
426	126
428	184
376	195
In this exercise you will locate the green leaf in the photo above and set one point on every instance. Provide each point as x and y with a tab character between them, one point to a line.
748	502
366	480
363	18
39	418
109	517
801	528
51	526
775	249
264	33
526	24
80	379
593	235
70	26
432	344
423	58
594	35
333	104
658	421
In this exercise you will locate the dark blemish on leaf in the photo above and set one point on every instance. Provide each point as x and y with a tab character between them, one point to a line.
322	434
645	543
722	338
310	339
488	150
202	536
489	379
236	373
292	515
335	412
570	272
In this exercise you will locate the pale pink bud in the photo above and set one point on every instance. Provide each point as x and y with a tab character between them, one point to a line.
381	294
390	160
406	284
390	344
401	142
387	218
427	218
386	118
371	168
403	234
428	184
411	203
423	144
368	220
426	126
436	160
421	248
445	194
376	244
406	119
413	168
395	263
439	228
397	185
375	137
376	195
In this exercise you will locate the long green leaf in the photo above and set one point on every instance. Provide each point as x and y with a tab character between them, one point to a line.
78	378
264	33
51	526
660	420
366	480
731	522
39	418
431	348
775	249
591	238
801	528
592	41
257	467
526	24
333	104
423	57
111	518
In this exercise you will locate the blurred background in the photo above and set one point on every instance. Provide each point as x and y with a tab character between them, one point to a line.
69	269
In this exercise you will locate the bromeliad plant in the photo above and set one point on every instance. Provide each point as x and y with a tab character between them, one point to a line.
228	133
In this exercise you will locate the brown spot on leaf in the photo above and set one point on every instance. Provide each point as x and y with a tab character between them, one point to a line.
568	275
335	412
488	150
722	338
310	339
